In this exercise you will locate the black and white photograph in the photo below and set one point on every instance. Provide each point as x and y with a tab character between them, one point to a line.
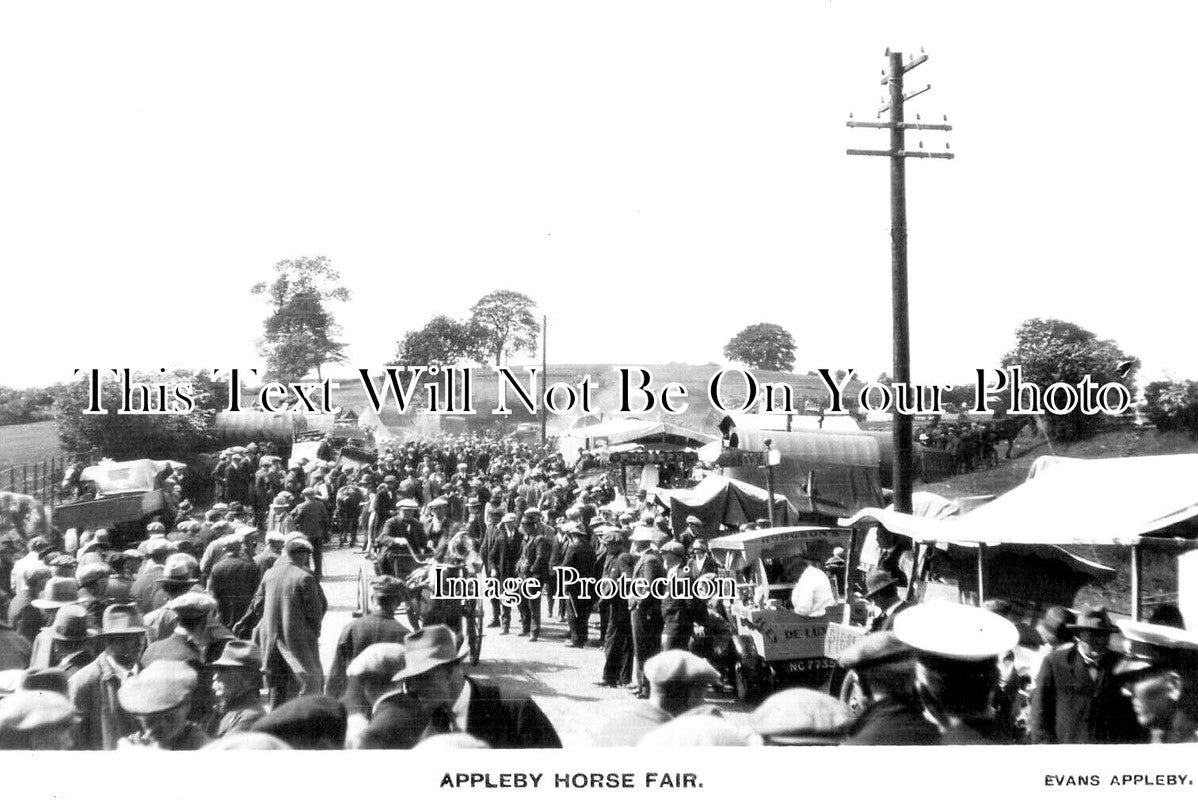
605	379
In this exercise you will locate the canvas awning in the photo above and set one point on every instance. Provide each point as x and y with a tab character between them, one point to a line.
1111	501
119	477
723	501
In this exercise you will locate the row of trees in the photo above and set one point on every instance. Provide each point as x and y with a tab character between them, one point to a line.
300	334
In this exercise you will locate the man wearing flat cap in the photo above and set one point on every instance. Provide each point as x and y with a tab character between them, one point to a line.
795	717
536	554
402	527
36	719
617	644
311	518
93	689
1159	673
891	714
502	544
312	722
197	640
377	627
290	606
647	622
678	683
1076	699
433	676
234	579
236	680
160	699
579	556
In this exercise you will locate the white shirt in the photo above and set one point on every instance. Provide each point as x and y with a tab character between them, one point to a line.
812	595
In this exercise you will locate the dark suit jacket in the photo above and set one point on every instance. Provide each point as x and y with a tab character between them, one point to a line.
886	621
233	582
579	555
1068	707
538	552
312	519
507	722
890	722
650	567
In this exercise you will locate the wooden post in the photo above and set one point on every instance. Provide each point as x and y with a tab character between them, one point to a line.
1136	575
24	479
769	479
981	574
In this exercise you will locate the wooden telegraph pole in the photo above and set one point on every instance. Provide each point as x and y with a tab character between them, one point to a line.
904	451
544	372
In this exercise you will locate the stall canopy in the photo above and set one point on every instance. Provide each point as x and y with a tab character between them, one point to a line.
629	431
1067	501
723	501
832	474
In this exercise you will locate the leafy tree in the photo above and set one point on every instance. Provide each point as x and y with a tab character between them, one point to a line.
126	436
504	324
298	336
765	345
442	341
1052	350
1172	405
18	406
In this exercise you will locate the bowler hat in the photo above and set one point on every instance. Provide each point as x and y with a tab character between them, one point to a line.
1094	619
240	654
426	649
57	593
120	620
161	686
71	624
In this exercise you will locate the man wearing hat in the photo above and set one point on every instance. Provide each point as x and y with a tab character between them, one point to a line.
381	508
834	567
1054	631
885	670
679	610
347	509
617	644
234	579
647	622
93	689
92	579
536	554
176	578
1077	699
501	550
433	675
67	643
311	518
580	557
36	719
145	585
1159	673
236	680
678	682
311	722
882	591
23	616
271	552
38	546
197	640
377	627
403	527
160	699
956	667
292	606
15	649
796	717
692	532
438	529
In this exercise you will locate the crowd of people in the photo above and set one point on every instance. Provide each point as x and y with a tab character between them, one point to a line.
205	632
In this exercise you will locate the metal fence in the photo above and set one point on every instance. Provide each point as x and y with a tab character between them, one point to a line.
42	479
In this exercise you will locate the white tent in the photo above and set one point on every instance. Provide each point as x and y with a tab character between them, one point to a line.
1066	501
623	431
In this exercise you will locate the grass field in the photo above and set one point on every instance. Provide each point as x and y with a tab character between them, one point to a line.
25	444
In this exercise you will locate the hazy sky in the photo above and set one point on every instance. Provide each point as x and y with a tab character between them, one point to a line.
655	175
